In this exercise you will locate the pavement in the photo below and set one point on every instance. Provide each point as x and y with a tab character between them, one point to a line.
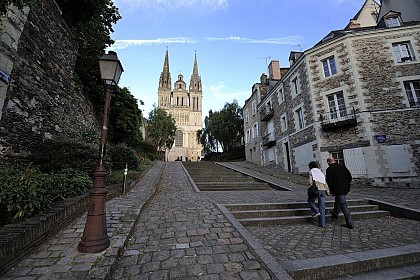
164	229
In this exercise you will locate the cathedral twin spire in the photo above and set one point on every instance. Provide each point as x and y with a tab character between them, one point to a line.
165	76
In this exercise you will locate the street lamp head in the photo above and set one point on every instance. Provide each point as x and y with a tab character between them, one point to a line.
111	68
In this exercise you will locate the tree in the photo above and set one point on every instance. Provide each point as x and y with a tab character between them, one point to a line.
125	118
224	127
161	129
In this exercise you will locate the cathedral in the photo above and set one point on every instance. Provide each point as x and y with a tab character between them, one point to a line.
185	106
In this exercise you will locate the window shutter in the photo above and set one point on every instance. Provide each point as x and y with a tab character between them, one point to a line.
303	155
397	159
271	154
355	161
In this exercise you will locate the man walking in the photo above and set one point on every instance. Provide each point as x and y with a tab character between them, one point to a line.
338	178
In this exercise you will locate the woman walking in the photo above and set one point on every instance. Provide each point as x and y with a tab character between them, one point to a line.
316	176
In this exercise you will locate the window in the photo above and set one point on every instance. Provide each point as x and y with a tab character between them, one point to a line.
281	95
296	86
254	107
248	136
283	122
412	89
329	67
337	106
392	22
403	52
255	131
338	156
246	116
178	138
300	120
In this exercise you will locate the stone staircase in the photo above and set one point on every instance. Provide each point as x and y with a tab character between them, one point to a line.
267	214
212	177
402	262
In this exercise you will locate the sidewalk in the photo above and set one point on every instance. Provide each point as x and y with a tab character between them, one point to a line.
184	234
59	258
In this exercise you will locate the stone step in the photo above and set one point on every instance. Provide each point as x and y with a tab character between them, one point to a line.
404	272
401	262
212	177
287	220
294	212
289	205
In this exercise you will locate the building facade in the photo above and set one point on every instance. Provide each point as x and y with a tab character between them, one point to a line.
356	96
185	105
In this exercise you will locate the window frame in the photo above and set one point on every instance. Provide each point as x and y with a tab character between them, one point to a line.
283	122
280	94
389	21
254	107
338	111
397	49
414	101
326	62
299	115
295	85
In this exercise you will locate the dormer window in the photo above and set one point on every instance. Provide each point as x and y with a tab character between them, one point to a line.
392	22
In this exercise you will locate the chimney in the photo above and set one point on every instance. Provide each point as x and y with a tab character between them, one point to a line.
263	79
274	70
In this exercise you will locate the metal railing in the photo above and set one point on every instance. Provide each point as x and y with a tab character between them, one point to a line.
266	114
338	118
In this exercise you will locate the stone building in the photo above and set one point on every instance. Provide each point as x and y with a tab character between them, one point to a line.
186	107
355	95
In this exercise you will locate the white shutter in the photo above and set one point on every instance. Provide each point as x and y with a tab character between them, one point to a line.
303	155
355	161
271	154
397	159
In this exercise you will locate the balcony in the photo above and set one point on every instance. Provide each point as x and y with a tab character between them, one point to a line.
338	119
269	140
266	114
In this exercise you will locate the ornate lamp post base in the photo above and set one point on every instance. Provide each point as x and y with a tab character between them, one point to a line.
95	238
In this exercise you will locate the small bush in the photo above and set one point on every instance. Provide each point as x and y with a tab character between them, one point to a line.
121	155
56	155
24	192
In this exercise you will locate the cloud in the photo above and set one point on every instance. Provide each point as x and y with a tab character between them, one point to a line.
123	44
288	40
173	4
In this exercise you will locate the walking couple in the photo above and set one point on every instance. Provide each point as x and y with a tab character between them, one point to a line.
337	183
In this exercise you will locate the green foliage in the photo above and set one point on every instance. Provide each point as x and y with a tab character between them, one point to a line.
224	128
24	192
125	119
147	149
58	154
122	155
161	128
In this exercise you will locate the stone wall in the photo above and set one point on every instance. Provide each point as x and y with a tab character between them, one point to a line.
42	100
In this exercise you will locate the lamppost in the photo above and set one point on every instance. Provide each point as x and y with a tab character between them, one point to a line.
95	238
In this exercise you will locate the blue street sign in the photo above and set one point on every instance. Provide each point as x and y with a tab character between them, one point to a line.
4	77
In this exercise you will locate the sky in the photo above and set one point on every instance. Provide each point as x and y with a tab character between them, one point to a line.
234	41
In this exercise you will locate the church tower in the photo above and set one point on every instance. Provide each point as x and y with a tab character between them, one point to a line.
186	107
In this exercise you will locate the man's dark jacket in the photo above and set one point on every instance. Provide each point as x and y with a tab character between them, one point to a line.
338	178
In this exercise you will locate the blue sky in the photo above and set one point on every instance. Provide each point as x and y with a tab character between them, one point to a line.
234	41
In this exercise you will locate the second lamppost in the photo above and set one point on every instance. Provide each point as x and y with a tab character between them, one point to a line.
95	238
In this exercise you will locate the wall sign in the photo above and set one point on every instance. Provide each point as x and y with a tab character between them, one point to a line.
4	77
380	138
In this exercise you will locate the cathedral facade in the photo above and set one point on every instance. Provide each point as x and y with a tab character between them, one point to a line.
185	105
